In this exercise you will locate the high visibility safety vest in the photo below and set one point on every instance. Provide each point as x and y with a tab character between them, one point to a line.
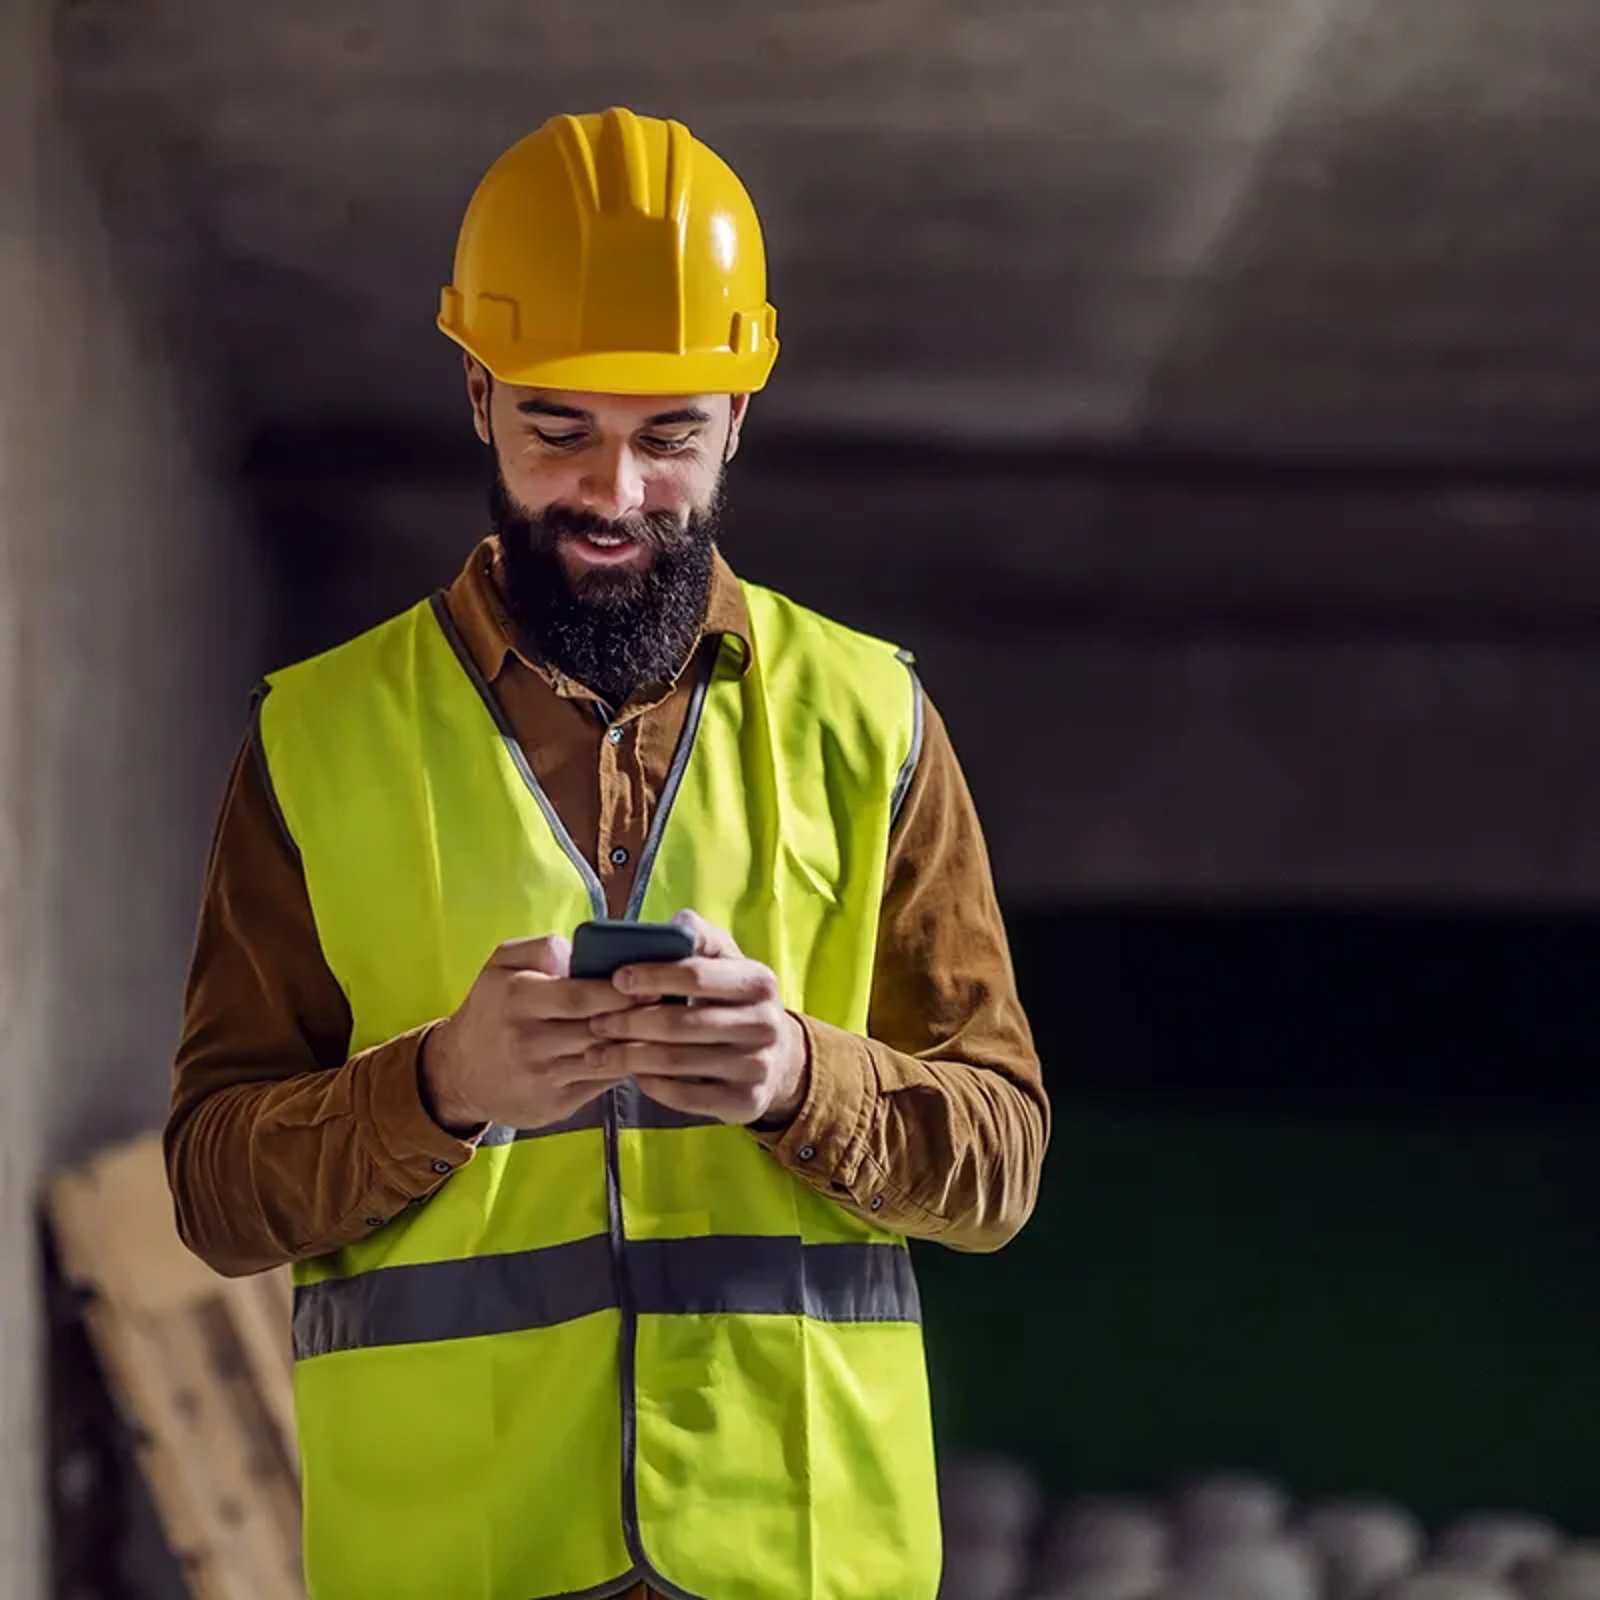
631	1346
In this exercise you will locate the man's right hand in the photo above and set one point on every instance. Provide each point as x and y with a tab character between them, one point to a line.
514	1052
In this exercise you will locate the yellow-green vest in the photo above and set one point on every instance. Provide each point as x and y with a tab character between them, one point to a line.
633	1346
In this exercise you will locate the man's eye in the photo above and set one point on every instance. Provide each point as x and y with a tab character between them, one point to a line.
559	441
663	446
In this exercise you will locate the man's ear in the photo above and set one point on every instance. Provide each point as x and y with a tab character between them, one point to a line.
480	387
738	408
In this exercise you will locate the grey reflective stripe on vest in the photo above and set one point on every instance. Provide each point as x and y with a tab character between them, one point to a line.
634	1110
908	768
746	1275
759	1276
669	790
447	626
454	1299
590	1116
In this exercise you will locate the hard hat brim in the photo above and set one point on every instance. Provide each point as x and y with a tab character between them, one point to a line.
630	371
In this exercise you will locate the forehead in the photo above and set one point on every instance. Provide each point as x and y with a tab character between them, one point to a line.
621	413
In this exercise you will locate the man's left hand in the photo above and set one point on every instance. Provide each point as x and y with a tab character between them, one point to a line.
733	1053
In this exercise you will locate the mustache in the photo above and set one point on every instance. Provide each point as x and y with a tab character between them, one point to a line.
655	529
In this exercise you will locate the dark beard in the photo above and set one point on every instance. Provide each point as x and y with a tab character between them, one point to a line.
615	632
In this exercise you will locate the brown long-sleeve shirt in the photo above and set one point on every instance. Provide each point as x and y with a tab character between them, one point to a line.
280	1145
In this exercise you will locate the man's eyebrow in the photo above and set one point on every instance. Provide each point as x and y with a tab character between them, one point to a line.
548	408
665	419
662	419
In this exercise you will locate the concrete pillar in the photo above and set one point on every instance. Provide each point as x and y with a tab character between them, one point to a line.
127	623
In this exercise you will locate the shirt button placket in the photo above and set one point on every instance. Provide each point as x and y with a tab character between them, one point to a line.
615	733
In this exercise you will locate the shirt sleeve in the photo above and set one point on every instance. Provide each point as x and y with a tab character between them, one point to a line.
935	1125
278	1146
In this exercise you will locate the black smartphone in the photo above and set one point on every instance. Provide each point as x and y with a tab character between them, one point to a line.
600	947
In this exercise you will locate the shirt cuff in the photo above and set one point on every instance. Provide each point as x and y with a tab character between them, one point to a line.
410	1146
828	1135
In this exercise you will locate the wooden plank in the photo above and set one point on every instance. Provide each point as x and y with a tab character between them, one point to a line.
262	1308
201	1369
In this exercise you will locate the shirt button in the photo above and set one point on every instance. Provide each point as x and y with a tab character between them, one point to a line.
877	1202
619	857
614	734
441	1166
807	1151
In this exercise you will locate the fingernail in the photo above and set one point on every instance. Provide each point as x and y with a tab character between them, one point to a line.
625	979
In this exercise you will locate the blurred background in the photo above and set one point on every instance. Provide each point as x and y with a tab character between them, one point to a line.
1206	390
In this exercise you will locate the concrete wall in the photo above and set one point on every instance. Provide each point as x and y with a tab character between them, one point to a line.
126	621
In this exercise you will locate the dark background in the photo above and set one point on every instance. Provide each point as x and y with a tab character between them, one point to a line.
1322	1201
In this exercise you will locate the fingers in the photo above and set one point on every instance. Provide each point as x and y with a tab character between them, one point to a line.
569	1098
699	978
539	998
736	1103
581	1077
708	940
631	1058
740	1027
575	1070
556	1042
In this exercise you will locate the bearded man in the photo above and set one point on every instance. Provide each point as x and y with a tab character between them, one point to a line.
599	1292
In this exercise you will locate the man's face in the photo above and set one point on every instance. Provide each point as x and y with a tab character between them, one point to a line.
627	472
606	511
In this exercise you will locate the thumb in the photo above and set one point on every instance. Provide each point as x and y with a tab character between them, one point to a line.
708	940
551	955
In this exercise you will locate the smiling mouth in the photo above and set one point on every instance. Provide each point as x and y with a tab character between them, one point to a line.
604	549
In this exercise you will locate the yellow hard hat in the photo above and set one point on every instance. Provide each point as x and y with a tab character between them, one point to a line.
616	254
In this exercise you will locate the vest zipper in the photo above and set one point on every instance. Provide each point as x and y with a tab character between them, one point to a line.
628	1093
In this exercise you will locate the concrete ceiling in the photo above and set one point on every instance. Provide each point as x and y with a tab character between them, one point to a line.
1207	389
1359	227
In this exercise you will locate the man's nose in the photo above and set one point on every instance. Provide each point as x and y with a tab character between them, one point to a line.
612	486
